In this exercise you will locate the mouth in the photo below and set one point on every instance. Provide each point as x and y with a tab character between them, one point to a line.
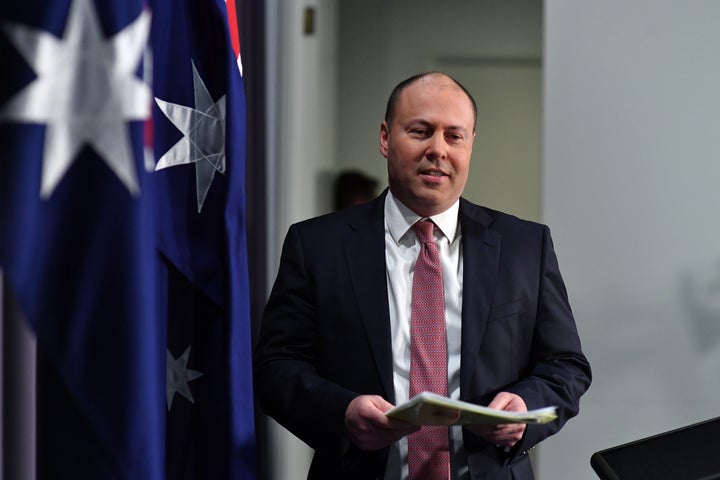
433	173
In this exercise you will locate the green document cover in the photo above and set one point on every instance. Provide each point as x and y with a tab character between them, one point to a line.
432	409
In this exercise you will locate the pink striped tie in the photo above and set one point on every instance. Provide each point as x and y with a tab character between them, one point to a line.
428	449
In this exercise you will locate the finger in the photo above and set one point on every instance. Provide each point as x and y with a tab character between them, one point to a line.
380	403
394	424
501	401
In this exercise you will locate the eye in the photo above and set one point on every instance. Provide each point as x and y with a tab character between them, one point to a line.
419	132
455	138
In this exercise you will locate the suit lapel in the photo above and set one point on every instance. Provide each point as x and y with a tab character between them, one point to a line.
481	260
365	253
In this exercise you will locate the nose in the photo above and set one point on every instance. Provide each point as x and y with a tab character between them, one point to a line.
436	147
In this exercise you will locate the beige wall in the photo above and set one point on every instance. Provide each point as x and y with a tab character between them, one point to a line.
493	47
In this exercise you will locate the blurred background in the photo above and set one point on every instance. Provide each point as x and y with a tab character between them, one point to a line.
600	119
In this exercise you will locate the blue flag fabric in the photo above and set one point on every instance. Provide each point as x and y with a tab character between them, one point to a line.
199	128
77	234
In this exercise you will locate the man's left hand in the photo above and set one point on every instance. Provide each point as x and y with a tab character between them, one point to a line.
506	435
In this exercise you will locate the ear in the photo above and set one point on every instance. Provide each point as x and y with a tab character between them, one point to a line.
384	136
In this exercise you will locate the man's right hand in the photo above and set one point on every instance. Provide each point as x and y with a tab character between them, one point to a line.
367	427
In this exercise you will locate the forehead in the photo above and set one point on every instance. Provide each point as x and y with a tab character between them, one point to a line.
435	95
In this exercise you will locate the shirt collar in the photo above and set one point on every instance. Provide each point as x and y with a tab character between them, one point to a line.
400	218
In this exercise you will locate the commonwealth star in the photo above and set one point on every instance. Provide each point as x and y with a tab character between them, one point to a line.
178	377
203	142
85	92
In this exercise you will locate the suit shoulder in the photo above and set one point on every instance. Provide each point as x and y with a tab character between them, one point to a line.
339	220
496	219
517	222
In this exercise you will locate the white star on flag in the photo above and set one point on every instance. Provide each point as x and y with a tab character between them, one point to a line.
85	91
203	142
178	377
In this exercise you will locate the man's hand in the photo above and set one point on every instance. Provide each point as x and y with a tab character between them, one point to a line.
503	435
367	427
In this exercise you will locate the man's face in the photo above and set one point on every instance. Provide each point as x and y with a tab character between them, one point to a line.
428	145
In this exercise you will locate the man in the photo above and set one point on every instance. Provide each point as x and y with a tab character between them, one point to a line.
339	330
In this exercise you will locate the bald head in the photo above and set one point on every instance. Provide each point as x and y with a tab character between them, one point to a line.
435	77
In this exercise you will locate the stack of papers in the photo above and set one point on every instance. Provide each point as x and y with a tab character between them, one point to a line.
432	409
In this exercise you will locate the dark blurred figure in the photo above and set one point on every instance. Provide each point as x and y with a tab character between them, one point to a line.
352	188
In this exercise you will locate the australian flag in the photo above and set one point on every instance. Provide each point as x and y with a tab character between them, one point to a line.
199	148
77	231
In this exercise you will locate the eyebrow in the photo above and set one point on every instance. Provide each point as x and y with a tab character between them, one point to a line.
426	123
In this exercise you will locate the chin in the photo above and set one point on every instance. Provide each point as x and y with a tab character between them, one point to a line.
427	207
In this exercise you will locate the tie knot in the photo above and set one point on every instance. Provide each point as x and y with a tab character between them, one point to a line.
424	231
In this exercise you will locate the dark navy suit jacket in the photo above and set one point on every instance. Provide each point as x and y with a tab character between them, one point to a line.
325	335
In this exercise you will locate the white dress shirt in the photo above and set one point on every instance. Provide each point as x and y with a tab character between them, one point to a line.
401	251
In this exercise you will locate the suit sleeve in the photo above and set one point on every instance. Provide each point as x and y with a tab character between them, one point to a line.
558	372
287	383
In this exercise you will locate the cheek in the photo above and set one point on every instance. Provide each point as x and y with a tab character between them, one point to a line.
396	171
462	169
399	162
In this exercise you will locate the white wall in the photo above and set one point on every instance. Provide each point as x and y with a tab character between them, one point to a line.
302	102
301	150
631	192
